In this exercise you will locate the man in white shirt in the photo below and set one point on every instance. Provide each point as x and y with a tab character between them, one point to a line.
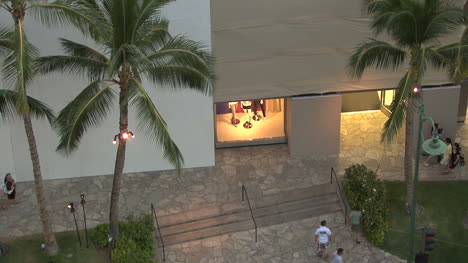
322	236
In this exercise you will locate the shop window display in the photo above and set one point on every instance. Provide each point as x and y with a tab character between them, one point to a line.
250	120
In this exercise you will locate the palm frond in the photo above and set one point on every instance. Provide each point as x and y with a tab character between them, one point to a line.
404	101
454	59
148	13
150	37
124	15
72	65
377	54
180	77
8	111
6	40
18	67
87	110
76	49
443	23
152	124
7	105
84	15
40	110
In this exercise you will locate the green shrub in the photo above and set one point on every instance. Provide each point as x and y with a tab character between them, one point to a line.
99	234
135	243
366	193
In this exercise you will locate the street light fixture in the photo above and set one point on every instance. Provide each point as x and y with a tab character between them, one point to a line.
433	146
72	210
123	136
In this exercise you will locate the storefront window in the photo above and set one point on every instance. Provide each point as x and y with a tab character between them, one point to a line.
250	120
387	97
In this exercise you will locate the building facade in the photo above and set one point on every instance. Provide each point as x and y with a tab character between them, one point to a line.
280	68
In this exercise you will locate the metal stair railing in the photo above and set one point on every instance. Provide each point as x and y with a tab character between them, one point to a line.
159	231
343	201
244	192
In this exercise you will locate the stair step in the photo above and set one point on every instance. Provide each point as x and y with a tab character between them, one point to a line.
244	214
268	210
297	194
298	215
246	225
231	208
208	232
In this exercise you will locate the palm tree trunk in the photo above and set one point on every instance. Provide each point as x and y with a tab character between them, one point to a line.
119	167
51	244
410	139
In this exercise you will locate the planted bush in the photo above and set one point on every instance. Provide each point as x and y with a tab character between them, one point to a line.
135	244
366	193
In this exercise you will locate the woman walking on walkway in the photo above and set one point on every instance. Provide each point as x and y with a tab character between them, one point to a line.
458	160
9	187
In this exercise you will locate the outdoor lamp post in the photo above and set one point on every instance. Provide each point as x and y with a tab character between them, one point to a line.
72	210
83	202
433	146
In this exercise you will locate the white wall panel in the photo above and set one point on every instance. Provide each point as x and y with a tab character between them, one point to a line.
188	114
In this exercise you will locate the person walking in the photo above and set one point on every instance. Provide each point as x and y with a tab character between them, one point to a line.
9	188
447	155
356	224
322	236
337	256
457	160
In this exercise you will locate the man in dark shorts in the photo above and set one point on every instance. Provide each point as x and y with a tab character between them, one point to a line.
322	236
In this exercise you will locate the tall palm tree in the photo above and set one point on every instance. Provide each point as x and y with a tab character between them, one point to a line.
416	27
18	57
133	44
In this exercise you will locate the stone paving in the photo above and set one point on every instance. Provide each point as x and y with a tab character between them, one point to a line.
289	242
263	169
360	143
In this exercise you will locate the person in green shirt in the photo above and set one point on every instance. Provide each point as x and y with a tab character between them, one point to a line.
356	224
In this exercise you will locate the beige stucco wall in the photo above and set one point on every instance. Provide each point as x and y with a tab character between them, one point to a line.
314	125
441	104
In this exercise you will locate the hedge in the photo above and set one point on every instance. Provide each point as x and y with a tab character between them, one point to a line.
135	244
366	193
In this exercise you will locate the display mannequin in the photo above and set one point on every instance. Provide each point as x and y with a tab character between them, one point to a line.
233	108
255	106
247	108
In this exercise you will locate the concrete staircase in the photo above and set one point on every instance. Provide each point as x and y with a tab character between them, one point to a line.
235	217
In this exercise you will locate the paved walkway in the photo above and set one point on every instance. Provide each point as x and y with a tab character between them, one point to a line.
290	242
263	169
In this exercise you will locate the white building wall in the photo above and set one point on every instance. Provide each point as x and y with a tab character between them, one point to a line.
189	115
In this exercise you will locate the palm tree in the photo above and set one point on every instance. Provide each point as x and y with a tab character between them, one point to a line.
416	27
18	69
133	44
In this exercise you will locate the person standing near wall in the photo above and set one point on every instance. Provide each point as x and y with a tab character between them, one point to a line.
9	188
446	158
356	224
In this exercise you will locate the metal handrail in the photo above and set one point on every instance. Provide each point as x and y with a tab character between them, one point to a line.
159	231
341	195
244	191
